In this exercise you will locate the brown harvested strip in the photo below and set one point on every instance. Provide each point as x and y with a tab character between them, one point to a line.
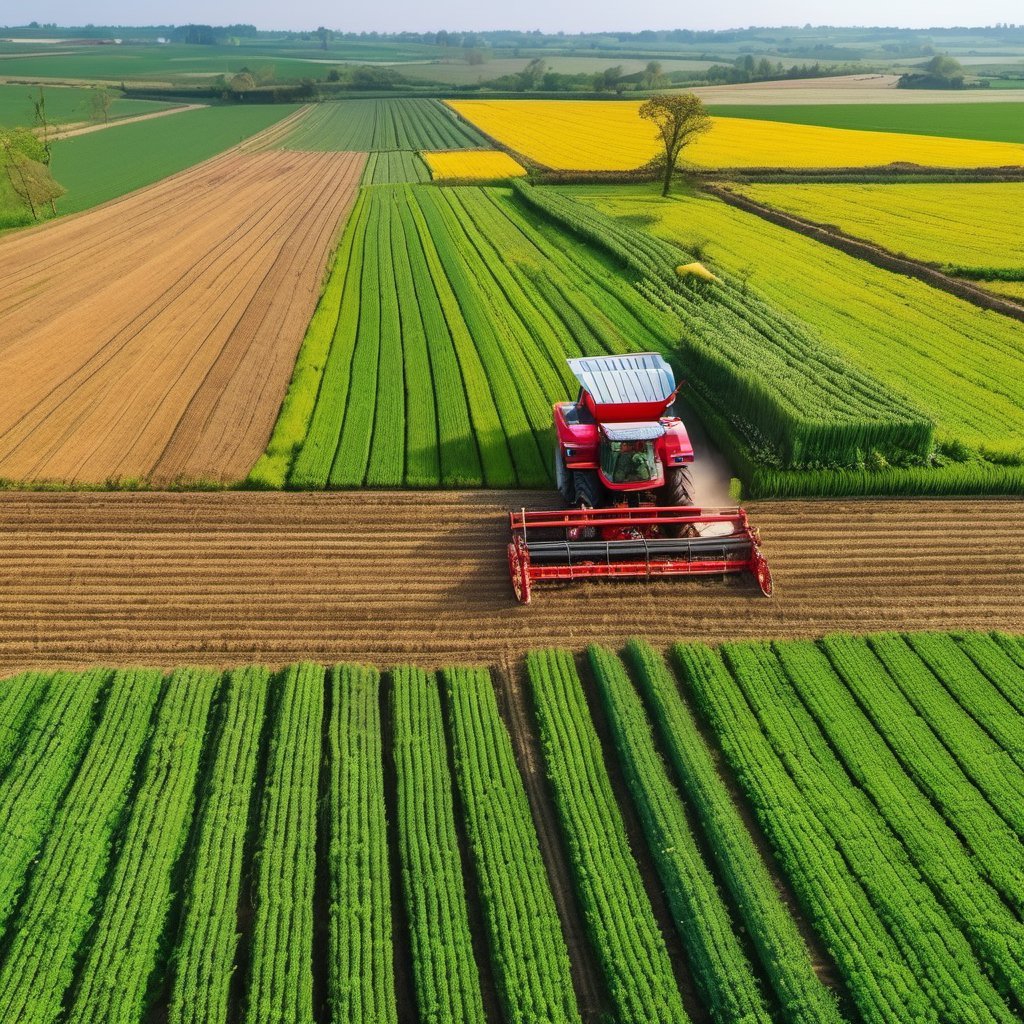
222	578
177	345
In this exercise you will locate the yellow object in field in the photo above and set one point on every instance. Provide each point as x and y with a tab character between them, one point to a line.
472	165
610	135
695	270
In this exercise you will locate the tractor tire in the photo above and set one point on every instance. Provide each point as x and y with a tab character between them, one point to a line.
678	489
587	489
588	494
563	478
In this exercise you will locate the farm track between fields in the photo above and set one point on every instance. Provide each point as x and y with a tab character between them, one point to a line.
873	253
163	328
389	577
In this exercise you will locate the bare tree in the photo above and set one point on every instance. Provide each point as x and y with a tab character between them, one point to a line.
680	119
22	157
101	100
42	123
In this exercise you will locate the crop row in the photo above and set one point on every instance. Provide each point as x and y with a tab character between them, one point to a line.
382	125
774	745
394	168
204	960
126	944
58	906
771	372
972	888
622	925
528	952
440	343
447	981
360	971
49	753
776	940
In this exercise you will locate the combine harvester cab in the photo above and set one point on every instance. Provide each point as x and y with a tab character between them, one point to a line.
621	458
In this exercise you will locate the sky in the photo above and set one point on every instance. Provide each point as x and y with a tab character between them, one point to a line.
465	15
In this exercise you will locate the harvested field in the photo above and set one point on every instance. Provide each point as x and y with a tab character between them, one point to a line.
153	339
223	578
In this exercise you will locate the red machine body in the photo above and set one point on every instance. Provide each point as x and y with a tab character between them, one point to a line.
621	412
621	458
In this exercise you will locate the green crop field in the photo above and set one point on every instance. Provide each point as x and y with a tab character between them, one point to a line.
977	228
824	832
63	105
957	363
107	164
397	167
440	343
161	63
991	122
382	125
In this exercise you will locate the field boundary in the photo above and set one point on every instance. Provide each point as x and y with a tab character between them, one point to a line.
874	254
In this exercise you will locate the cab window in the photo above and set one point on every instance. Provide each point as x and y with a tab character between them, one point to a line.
624	462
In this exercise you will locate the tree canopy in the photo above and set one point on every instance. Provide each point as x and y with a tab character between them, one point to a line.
680	118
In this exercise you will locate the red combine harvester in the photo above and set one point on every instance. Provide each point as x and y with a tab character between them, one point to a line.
621	461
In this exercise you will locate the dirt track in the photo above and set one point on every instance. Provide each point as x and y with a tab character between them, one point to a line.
154	337
69	131
235	577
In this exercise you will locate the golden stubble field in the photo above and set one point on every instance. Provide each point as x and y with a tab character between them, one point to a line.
391	577
153	338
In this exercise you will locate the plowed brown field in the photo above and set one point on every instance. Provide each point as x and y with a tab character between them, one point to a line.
153	338
234	577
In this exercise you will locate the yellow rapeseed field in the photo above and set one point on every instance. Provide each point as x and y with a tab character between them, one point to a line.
481	164
595	135
975	224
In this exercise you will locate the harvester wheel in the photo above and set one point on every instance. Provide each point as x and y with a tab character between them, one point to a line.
678	489
563	478
587	489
